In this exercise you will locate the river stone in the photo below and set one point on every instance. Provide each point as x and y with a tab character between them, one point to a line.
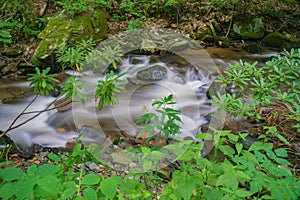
249	28
2	63
71	31
155	73
278	40
177	45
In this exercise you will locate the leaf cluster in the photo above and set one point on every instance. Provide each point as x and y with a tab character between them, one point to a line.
276	83
42	82
164	121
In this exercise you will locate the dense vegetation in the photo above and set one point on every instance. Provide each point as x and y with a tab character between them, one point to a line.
234	170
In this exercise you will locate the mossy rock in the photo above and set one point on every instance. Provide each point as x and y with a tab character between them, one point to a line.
250	28
278	40
206	36
71	31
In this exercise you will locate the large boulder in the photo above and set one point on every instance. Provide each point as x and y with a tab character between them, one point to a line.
250	28
278	40
61	29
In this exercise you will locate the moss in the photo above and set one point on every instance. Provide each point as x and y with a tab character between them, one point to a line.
56	32
60	30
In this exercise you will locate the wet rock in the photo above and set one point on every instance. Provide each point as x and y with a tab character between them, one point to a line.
71	31
155	73
10	68
136	61
274	39
12	53
148	45
179	79
248	141
253	47
225	43
177	44
249	28
2	63
278	40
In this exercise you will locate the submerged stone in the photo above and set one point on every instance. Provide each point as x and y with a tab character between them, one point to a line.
155	73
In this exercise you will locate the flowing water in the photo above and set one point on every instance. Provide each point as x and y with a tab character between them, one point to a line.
148	78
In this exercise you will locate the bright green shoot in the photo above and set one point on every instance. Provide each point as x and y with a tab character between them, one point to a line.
165	119
107	89
42	82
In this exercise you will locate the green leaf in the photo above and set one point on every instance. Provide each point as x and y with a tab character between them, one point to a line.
7	190
47	169
68	192
238	147
109	186
227	150
260	146
90	193
53	157
243	193
10	174
281	152
184	184
50	184
90	179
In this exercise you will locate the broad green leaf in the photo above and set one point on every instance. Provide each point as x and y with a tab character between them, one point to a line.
68	192
47	169
109	186
243	193
184	184
90	179
7	190
9	174
24	188
53	157
50	184
227	150
90	193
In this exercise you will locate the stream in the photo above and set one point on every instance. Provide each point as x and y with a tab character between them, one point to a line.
148	78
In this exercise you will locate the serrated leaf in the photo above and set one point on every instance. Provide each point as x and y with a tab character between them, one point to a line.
50	184
90	179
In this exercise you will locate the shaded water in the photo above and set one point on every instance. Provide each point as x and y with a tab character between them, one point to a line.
174	75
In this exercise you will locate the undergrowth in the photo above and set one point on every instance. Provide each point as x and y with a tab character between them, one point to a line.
258	171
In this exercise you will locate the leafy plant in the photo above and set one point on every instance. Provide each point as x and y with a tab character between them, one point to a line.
42	82
163	121
264	87
72	89
107	89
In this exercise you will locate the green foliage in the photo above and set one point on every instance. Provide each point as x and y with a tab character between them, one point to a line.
163	121
107	89
72	89
275	84
42	82
73	57
74	7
